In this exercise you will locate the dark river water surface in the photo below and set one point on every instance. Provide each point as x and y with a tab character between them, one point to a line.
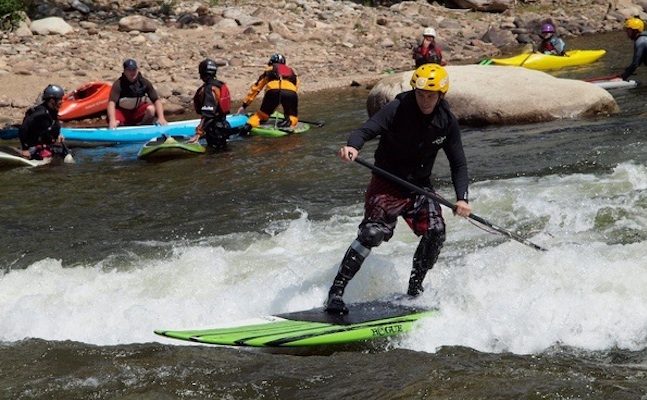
96	255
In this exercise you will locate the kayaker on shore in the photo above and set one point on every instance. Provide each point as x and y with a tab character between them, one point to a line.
40	128
412	128
133	99
551	43
281	85
212	102
428	52
634	28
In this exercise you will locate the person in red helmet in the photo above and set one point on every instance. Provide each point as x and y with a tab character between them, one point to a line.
281	85
412	129
551	43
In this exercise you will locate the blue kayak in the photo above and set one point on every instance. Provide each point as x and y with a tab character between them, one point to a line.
141	133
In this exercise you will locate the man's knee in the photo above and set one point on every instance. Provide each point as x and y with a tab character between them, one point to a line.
370	235
435	235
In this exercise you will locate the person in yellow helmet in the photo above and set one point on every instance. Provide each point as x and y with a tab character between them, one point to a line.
281	85
634	28
412	129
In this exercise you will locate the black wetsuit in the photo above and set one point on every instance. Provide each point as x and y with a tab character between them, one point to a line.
410	141
39	127
640	55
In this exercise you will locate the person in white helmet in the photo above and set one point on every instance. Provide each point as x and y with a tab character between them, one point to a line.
428	52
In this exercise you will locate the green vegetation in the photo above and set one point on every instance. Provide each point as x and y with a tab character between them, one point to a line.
12	12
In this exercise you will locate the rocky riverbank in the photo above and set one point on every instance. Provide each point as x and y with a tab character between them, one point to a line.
330	43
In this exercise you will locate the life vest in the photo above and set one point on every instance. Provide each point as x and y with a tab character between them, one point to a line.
213	99
283	72
40	126
132	94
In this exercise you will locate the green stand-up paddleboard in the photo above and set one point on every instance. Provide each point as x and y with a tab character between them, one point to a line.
365	321
166	147
270	128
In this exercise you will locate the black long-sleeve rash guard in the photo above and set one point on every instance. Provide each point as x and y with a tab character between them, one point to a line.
410	141
640	56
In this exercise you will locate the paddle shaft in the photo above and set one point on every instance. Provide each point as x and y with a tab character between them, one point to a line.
446	203
602	78
527	48
313	123
68	158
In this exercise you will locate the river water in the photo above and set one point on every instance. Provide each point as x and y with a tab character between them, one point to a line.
96	255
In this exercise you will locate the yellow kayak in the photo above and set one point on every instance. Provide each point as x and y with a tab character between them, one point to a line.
543	62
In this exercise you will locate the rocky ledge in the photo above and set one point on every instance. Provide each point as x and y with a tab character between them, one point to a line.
330	43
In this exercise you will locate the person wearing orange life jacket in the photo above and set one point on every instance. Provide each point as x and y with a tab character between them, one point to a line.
281	84
212	102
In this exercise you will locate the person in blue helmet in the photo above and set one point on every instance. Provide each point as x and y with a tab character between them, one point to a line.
281	85
551	43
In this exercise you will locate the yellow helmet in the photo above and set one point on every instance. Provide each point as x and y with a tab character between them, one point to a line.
635	23
430	77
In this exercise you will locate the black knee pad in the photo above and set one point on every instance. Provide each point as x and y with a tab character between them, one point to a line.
435	235
370	235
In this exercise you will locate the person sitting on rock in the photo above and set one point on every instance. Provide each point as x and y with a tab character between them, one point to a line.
41	128
133	99
281	84
634	28
428	52
212	102
550	42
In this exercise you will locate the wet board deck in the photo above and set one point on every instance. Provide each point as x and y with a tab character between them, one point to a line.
270	127
167	147
315	327
10	158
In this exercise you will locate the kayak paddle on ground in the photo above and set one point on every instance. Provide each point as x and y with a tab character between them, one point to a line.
446	203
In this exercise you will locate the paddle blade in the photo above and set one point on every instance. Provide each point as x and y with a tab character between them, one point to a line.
69	159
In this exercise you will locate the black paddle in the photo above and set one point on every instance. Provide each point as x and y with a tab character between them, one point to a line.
446	203
69	158
313	123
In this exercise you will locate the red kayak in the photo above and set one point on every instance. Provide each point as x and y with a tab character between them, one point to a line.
88	99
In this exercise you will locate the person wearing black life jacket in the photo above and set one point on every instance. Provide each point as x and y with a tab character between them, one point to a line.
550	42
634	29
412	129
212	102
41	129
281	84
133	99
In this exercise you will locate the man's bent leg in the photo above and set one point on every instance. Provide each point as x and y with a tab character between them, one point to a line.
370	236
425	257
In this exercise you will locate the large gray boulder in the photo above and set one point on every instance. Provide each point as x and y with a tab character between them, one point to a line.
486	95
